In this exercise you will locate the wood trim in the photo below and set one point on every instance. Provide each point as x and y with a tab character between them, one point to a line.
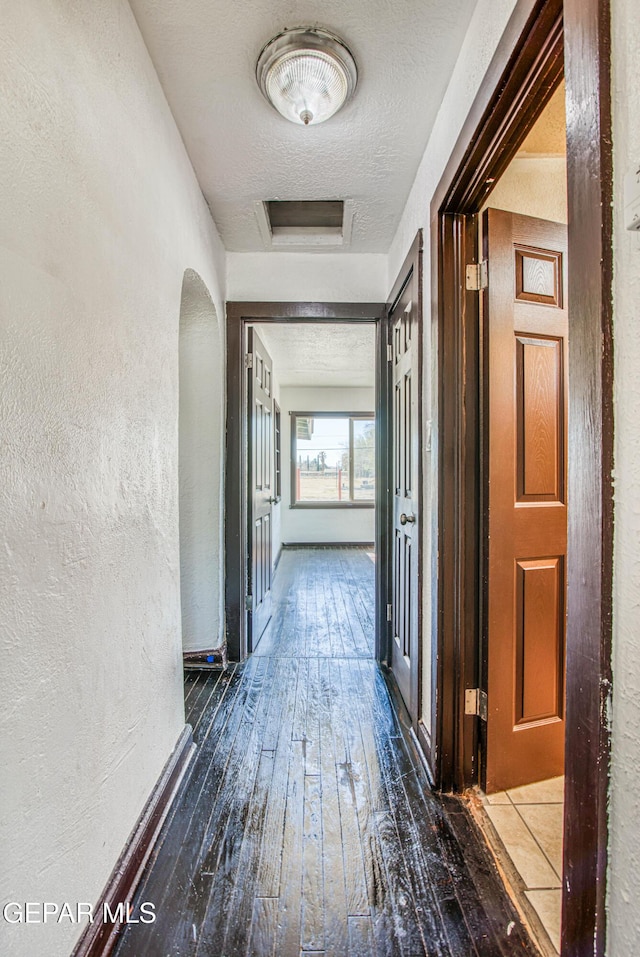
527	65
209	658
424	746
456	647
239	315
591	431
304	311
332	415
411	261
235	506
524	71
334	505
99	939
328	544
276	561
415	734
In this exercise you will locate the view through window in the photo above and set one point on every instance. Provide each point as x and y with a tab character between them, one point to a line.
333	459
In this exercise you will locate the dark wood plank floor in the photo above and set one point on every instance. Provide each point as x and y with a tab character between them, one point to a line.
320	615
306	825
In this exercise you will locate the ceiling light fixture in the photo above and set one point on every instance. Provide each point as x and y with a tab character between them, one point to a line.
306	74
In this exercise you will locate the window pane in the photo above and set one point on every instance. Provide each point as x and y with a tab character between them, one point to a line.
322	459
364	460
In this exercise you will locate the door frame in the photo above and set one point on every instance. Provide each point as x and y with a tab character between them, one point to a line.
543	40
237	552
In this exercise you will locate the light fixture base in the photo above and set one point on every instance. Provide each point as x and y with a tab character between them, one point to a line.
307	74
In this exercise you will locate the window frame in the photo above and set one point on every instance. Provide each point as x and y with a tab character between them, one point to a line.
351	417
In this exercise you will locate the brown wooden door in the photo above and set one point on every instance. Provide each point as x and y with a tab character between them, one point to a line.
525	327
405	432
260	468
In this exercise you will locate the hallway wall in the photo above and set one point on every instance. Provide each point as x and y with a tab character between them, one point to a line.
485	30
623	881
200	443
101	215
307	277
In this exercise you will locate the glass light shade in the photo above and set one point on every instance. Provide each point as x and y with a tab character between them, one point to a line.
306	74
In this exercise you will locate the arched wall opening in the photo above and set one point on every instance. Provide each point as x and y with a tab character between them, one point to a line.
200	468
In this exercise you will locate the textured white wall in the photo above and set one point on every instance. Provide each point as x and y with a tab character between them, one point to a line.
623	882
322	525
533	187
101	215
485	30
487	25
307	277
200	441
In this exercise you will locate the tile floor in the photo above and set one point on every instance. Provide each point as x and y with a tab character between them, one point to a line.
528	821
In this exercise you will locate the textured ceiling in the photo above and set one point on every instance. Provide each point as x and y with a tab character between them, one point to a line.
243	151
327	354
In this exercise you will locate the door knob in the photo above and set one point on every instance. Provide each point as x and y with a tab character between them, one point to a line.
272	500
407	519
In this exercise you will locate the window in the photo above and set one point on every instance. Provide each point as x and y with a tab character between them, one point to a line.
333	460
277	449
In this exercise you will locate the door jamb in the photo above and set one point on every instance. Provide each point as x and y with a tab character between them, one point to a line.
542	40
239	316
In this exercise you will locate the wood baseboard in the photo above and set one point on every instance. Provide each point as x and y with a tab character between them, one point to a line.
423	747
99	939
328	545
418	735
278	557
213	658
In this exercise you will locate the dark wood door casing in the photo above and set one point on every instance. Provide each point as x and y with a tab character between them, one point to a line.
524	72
241	315
543	40
587	28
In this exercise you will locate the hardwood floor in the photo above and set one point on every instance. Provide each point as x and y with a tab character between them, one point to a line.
323	605
306	824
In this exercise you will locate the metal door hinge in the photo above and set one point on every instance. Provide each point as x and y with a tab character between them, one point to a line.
389	352
248	360
476	702
248	602
389	613
477	276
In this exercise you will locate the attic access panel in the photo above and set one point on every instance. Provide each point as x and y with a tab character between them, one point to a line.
305	223
313	214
